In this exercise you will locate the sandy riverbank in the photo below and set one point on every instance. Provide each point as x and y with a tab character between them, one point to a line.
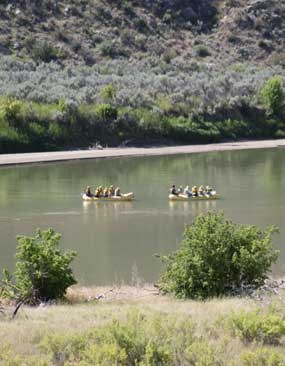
27	158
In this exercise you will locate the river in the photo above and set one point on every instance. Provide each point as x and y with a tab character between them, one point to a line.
116	241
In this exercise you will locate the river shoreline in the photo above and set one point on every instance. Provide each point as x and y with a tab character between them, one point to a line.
57	156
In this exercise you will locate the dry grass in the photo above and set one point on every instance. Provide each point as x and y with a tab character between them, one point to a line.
92	307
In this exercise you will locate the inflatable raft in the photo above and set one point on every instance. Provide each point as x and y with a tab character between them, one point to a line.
183	197
123	197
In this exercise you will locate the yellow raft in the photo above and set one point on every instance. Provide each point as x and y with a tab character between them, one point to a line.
183	197
123	197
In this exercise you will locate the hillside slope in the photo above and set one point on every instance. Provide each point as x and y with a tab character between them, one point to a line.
88	32
115	71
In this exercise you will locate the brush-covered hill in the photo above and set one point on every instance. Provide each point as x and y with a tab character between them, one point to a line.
91	31
127	70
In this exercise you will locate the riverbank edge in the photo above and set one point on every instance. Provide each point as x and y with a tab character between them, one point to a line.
59	156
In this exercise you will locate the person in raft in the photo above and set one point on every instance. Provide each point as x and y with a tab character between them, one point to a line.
194	191
173	190
111	191
88	192
99	192
180	190
117	192
187	191
201	191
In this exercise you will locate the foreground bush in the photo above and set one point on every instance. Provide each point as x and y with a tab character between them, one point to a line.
42	272
263	357
142	339
218	257
257	327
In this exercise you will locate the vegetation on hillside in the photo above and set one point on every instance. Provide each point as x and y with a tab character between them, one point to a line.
180	71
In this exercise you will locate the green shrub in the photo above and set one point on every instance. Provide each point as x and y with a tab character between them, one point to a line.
280	134
107	48
106	111
43	51
42	272
202	51
255	326
262	357
202	354
272	94
142	339
61	348
10	108
108	92
218	257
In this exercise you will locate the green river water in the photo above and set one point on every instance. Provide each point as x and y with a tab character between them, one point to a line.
116	241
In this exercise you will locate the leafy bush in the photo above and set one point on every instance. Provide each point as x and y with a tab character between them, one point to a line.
108	92
11	108
143	339
262	357
218	257
106	112
107	48
44	52
272	94
201	353
202	51
255	326
42	272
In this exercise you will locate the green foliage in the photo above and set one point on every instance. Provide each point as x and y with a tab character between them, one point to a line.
262	357
141	339
255	326
108	92
201	354
218	257
106	112
10	108
42	272
202	51
61	348
44	52
107	49
272	95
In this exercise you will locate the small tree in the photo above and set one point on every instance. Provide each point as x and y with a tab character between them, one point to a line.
218	257
11	110
42	272
272	94
108	93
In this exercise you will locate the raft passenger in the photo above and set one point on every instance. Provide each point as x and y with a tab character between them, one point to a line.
117	192
187	191
194	191
97	192
173	190
100	189
209	190
111	191
201	191
105	192
88	192
180	190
